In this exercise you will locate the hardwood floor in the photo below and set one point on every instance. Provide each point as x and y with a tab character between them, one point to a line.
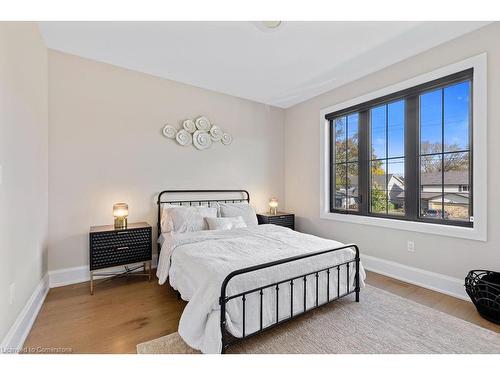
120	314
125	312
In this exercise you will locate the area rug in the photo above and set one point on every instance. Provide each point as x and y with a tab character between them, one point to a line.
380	323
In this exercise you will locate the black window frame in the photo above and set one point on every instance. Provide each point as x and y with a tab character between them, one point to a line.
411	96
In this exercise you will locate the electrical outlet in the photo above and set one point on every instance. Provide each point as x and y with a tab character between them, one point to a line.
12	293
411	246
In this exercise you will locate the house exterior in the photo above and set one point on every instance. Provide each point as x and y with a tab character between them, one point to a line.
454	193
395	187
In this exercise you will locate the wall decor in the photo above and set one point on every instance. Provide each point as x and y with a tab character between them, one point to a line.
201	140
201	133
189	126
203	123
183	137
226	139
216	133
169	131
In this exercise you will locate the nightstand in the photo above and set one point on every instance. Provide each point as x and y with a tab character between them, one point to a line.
280	218
110	247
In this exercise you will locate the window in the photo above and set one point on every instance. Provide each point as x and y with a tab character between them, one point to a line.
346	162
406	155
444	152
387	162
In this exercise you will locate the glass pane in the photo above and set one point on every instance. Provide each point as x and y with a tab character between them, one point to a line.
352	137
352	186
456	186
456	117
340	138
340	184
395	128
377	130
431	181
378	186
396	186
431	122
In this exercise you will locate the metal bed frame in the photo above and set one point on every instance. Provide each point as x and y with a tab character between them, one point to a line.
227	338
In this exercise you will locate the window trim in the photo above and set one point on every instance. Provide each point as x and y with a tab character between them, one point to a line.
478	144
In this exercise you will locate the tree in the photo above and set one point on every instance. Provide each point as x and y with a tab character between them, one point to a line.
452	162
378	198
347	149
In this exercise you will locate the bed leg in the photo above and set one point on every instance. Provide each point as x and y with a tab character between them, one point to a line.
356	277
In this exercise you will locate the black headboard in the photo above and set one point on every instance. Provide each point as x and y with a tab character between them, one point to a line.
224	196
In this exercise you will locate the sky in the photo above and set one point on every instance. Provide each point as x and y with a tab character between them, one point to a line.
388	141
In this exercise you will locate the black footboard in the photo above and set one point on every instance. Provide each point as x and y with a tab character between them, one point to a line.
331	295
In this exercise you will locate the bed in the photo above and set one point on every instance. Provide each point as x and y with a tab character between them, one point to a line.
247	280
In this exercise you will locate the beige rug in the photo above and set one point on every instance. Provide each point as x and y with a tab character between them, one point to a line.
381	323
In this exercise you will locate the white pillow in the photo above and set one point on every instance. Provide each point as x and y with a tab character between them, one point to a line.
244	210
181	219
165	220
225	223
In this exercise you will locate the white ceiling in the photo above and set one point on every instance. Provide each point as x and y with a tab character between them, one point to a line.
283	67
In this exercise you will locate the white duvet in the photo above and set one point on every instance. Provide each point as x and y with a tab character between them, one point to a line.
196	263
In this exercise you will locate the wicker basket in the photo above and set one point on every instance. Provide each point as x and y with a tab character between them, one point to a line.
483	288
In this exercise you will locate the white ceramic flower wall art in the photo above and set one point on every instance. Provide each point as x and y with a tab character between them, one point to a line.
200	133
226	139
189	126
216	133
183	137
202	140
202	123
169	131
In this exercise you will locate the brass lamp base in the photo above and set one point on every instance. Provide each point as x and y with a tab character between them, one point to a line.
273	210
120	222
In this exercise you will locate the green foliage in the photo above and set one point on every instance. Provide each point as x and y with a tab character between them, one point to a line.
346	151
379	199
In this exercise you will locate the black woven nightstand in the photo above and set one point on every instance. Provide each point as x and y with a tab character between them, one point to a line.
110	247
280	218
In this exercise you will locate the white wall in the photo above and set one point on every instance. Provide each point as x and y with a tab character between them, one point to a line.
445	255
105	146
23	157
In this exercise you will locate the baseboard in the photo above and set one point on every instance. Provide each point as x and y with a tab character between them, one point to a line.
75	275
431	280
18	332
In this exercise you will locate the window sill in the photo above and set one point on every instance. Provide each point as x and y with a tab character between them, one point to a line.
438	229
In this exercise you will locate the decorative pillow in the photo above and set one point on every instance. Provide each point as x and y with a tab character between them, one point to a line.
185	219
225	223
245	210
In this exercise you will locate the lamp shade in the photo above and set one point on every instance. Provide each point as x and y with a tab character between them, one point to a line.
120	213
120	210
273	206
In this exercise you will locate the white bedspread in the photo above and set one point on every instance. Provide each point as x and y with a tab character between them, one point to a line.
196	263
